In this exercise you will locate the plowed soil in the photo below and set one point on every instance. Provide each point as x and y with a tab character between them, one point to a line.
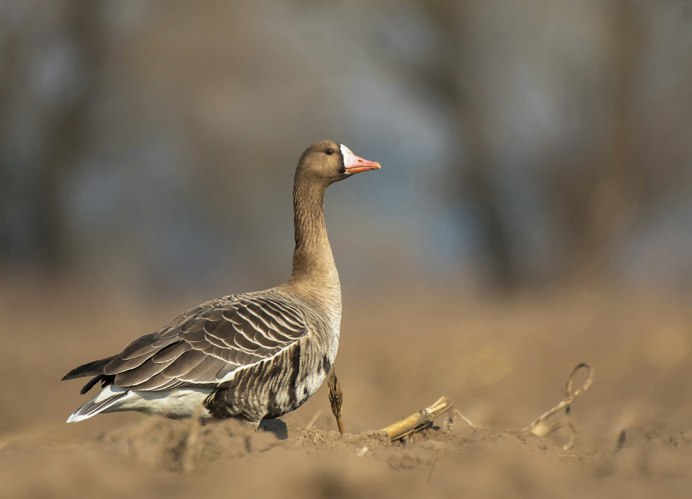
501	362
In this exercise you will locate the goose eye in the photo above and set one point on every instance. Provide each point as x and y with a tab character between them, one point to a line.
330	151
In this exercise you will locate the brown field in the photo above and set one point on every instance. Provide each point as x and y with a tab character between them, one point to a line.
501	362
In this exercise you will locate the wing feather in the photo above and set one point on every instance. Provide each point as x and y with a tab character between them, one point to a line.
209	342
183	364
170	353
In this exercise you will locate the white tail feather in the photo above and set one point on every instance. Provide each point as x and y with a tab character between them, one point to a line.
101	403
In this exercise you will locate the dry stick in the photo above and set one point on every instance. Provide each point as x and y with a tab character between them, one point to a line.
336	399
307	428
418	420
313	420
432	468
566	403
467	420
187	461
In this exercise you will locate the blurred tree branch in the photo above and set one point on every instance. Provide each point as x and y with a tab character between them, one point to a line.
32	228
593	196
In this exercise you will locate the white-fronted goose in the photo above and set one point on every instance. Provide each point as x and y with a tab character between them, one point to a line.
252	355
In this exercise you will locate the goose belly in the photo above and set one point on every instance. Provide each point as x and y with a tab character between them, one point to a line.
175	404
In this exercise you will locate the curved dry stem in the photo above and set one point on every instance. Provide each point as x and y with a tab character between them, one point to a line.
566	402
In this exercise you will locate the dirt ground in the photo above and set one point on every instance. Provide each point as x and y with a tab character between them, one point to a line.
501	362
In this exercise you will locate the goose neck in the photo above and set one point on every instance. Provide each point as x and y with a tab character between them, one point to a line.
313	262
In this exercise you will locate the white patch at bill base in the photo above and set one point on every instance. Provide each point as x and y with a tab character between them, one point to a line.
347	154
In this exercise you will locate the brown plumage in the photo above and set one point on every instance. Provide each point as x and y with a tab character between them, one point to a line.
252	355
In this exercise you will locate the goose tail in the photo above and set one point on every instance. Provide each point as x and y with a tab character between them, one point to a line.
106	401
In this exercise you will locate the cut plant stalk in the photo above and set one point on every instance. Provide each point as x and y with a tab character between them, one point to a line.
417	421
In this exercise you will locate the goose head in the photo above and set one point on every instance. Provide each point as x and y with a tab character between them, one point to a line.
326	162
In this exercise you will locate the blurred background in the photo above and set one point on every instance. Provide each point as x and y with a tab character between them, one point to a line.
524	144
534	210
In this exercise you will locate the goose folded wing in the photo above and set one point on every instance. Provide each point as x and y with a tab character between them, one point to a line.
205	345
